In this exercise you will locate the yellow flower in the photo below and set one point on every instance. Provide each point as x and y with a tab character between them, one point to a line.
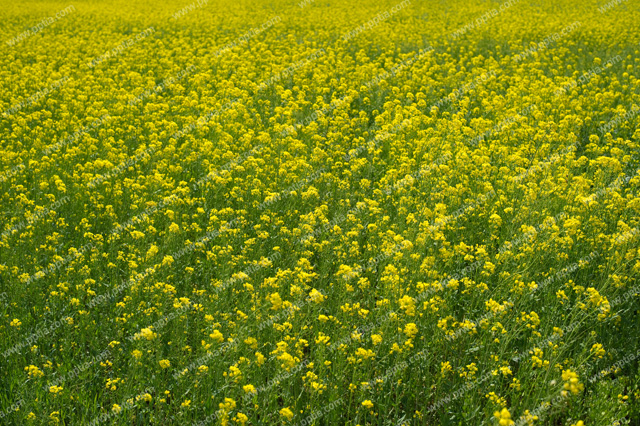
367	404
15	323
34	371
217	336
316	296
116	408
571	382
153	250
408	304
504	417
276	301
322	339
395	348
228	404
234	371
597	350
505	371
376	339
286	412
445	367
242	418
410	330
147	333
165	363
55	389
365	353
249	388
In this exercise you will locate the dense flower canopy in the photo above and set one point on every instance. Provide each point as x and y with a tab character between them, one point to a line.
324	212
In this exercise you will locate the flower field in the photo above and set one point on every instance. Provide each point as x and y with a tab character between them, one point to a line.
317	212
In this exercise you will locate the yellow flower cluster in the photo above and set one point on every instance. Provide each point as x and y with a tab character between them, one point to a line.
311	212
